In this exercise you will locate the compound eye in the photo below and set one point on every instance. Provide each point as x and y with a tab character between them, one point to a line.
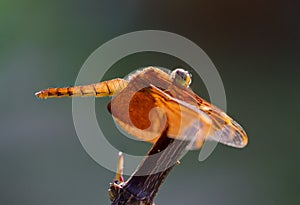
181	77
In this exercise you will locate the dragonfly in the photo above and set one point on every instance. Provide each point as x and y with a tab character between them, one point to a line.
158	106
151	99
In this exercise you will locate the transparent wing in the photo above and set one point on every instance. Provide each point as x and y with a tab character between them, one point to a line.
224	130
229	136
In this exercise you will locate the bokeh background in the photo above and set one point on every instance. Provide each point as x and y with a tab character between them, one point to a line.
254	45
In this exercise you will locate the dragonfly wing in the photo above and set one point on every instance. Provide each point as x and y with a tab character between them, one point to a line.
223	129
229	136
181	116
226	135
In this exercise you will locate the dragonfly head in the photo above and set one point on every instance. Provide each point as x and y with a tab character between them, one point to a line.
182	77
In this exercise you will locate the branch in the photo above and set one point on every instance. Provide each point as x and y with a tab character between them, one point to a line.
143	185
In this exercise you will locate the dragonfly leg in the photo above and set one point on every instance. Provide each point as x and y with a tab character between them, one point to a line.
118	180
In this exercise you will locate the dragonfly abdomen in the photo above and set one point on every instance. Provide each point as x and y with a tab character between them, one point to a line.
101	89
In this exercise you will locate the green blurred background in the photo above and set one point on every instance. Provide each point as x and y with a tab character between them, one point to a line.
254	45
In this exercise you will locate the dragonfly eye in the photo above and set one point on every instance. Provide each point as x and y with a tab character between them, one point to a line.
182	77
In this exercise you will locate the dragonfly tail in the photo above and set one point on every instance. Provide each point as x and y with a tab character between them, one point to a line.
101	89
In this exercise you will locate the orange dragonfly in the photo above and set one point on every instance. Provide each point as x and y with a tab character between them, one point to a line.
151	100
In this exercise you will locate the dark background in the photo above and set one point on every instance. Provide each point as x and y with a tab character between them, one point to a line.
253	44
